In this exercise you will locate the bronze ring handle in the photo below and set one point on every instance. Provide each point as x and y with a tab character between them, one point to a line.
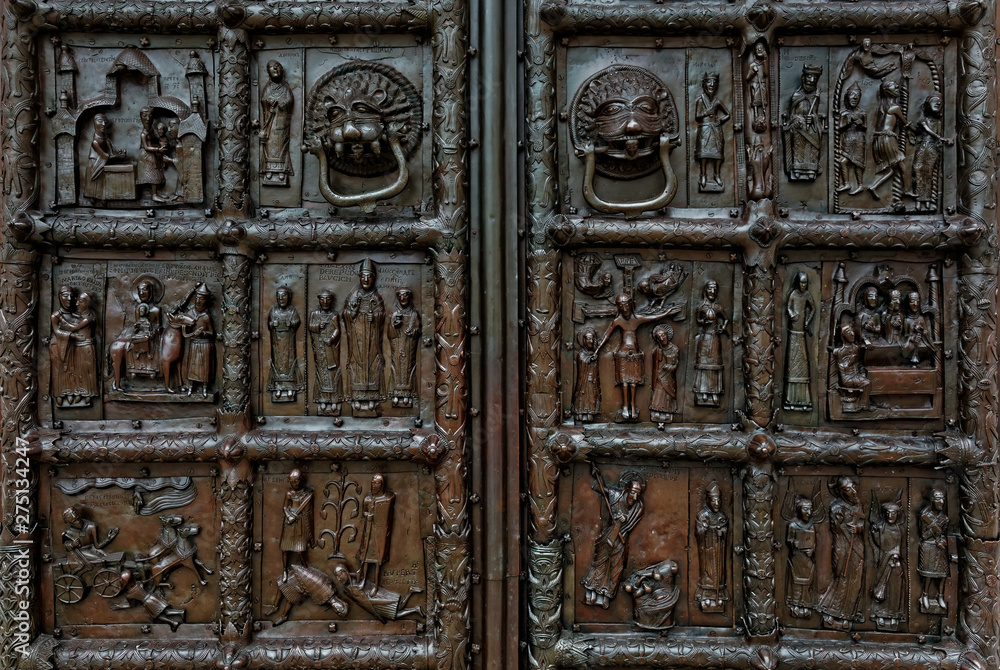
631	209
366	201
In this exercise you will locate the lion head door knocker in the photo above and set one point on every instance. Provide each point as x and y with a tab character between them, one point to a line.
624	126
363	120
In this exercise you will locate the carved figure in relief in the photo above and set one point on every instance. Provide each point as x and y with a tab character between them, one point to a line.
757	89
364	324
99	182
864	58
841	603
758	170
183	553
712	531
927	147
932	559
324	326
800	309
297	524
376	529
621	513
853	382
585	275
870	317
380	602
886	150
630	368
150	168
711	115
73	350
151	599
708	365
888	607
892	321
197	329
137	349
276	103
305	582
917	341
666	357
283	320
82	540
654	593
404	334
852	124
587	394
803	128
800	596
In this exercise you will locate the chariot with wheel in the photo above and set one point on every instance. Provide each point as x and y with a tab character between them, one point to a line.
73	580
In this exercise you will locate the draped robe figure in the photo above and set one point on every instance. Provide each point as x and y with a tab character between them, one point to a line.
932	560
276	102
587	393
708	366
800	309
404	333
889	591
841	603
622	510
801	541
324	327
666	358
283	321
802	129
711	531
364	325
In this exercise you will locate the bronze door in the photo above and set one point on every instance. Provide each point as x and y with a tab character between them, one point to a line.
321	346
760	359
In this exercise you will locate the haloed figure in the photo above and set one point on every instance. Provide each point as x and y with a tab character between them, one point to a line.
276	102
801	541
621	512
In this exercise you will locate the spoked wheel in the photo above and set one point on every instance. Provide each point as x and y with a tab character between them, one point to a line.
69	589
108	583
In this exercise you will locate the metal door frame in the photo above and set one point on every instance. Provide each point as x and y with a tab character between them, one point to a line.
756	234
238	235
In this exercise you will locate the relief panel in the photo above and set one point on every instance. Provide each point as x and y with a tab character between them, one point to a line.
668	559
130	122
871	553
652	337
341	123
121	332
345	338
131	549
342	548
875	124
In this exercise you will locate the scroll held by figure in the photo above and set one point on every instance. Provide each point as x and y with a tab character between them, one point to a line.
709	385
712	533
800	309
843	603
711	114
803	127
73	350
621	512
324	328
276	104
655	593
286	378
404	336
364	326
